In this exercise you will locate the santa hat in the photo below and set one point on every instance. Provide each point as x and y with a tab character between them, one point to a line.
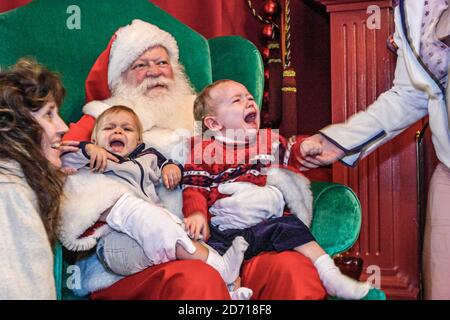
125	46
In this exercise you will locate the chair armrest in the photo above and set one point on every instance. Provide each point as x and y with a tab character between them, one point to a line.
58	269
336	216
374	294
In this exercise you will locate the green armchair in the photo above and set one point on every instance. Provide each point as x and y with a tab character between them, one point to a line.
44	29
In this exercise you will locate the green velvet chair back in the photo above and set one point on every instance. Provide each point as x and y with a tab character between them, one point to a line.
40	29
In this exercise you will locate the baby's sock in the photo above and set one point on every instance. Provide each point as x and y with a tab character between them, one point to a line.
241	293
336	283
229	264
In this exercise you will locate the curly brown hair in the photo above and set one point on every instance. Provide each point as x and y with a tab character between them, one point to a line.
24	88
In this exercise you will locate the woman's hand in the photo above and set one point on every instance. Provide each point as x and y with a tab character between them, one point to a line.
68	146
171	176
99	157
64	147
197	225
316	151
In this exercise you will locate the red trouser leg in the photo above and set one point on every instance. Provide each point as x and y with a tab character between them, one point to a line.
282	276
175	280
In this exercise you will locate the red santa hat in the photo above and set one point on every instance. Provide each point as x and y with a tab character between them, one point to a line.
125	46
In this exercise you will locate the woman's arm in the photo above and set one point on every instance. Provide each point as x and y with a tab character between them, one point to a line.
26	268
394	111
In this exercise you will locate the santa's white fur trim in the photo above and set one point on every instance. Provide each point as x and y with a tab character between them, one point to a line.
85	198
133	40
296	192
97	107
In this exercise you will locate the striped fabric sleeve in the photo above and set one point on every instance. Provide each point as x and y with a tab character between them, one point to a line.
195	185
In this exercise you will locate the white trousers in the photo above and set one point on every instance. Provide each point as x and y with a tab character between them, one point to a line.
155	229
436	250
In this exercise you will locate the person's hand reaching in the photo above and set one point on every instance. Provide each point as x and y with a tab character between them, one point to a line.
67	146
318	151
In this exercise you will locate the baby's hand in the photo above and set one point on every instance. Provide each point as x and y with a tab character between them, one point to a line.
99	157
171	176
316	151
311	148
197	225
69	170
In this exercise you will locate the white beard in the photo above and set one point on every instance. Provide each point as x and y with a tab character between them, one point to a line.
167	109
167	117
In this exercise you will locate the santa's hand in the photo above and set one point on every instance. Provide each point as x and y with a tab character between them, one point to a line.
248	200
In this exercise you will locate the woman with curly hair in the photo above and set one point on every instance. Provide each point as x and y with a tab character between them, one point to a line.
31	183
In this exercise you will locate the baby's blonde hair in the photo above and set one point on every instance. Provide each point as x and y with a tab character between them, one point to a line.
203	104
115	110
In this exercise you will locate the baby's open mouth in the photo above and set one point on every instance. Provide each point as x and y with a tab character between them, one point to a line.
250	118
117	146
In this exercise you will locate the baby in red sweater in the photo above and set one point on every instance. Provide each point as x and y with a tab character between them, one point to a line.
233	149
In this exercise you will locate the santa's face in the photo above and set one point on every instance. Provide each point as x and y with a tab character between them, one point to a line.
165	107
155	68
234	108
118	133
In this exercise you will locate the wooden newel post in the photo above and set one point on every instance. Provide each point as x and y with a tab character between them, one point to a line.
275	82
289	100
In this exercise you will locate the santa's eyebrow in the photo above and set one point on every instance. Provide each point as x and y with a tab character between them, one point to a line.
140	61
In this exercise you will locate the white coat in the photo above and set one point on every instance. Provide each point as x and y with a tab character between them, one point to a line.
413	95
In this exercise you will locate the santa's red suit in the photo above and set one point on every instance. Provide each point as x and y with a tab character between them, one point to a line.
271	275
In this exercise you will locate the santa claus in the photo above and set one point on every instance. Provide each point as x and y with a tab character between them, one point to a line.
140	69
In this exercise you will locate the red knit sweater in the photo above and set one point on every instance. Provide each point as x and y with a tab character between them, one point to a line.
213	162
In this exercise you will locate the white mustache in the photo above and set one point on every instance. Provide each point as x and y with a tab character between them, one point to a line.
153	82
